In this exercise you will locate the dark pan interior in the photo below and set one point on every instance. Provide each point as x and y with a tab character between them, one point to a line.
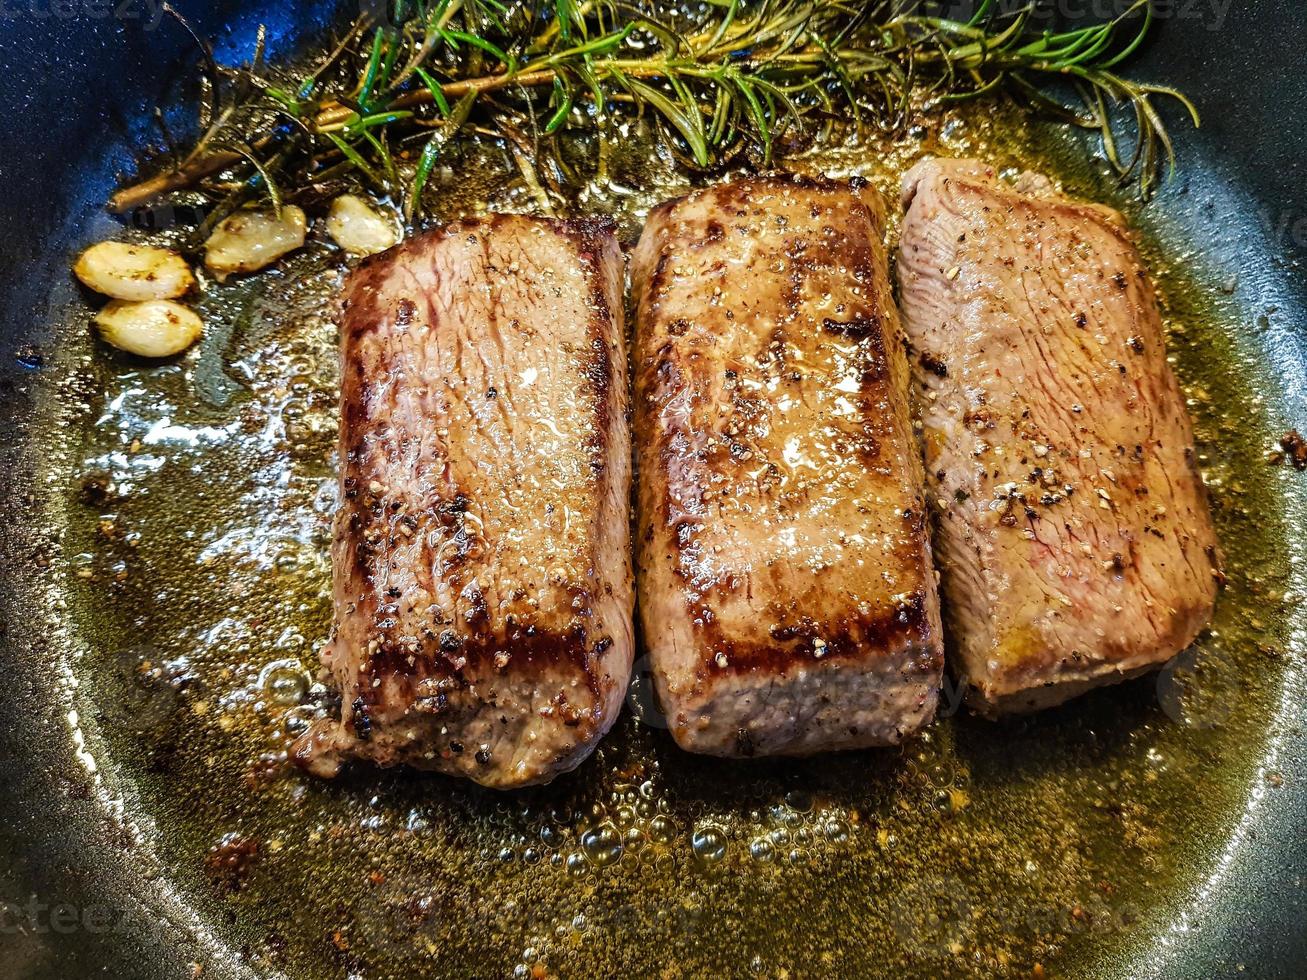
78	88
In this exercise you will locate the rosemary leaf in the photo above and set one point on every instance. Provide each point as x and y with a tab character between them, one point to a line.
432	150
730	75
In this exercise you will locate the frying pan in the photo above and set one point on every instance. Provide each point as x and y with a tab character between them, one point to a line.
78	86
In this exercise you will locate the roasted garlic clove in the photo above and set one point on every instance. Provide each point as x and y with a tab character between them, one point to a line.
153	328
134	272
358	228
249	240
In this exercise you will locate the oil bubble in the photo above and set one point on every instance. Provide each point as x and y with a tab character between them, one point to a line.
602	845
836	830
662	829
799	800
709	844
284	684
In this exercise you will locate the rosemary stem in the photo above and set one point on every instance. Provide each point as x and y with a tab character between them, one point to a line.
173	180
333	115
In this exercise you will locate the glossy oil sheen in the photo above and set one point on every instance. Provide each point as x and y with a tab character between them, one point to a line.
1127	834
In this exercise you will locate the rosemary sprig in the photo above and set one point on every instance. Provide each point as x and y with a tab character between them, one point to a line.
1085	58
743	78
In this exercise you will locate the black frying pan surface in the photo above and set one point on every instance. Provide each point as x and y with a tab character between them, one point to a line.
80	898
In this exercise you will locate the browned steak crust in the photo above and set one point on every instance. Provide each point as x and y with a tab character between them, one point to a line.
482	572
1072	527
786	593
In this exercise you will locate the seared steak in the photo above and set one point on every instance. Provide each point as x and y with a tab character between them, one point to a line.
786	592
1072	528
482	568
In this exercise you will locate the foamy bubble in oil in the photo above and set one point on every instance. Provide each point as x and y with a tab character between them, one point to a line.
281	686
709	844
602	845
662	828
836	830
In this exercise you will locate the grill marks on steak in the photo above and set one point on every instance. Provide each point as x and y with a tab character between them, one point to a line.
786	593
1072	527
482	575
